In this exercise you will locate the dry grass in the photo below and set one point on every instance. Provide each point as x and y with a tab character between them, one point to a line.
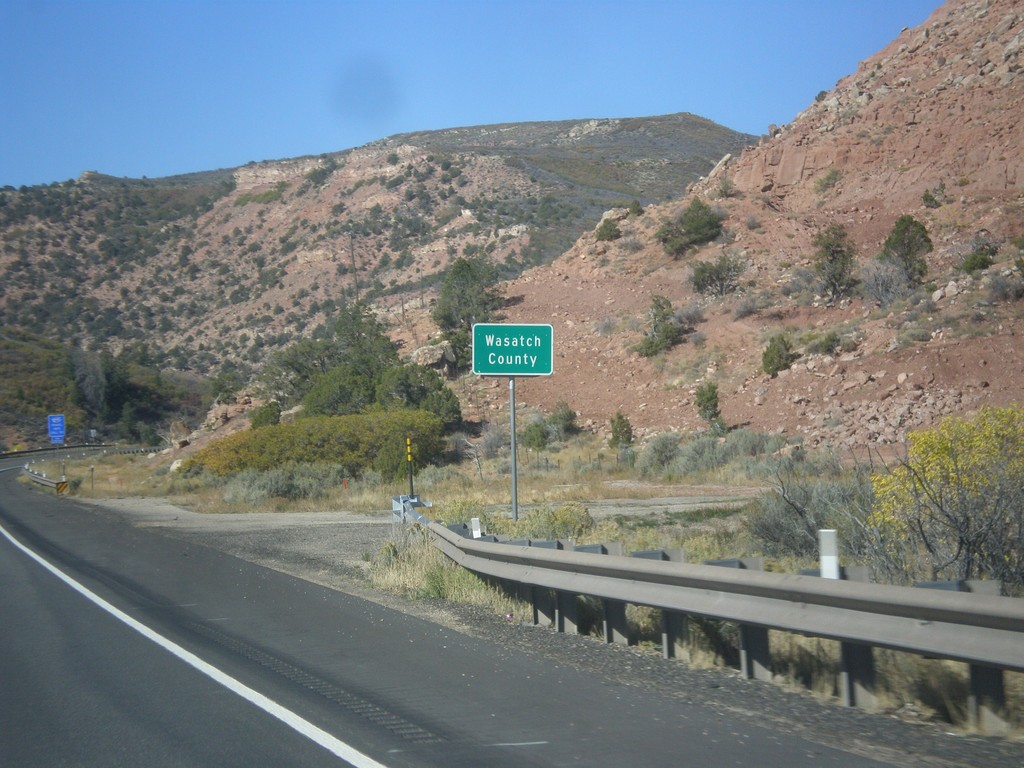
413	566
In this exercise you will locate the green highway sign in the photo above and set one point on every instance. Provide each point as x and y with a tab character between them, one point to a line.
501	349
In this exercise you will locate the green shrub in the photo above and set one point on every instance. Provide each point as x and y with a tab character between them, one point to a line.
659	453
982	255
291	482
778	355
717	278
663	331
563	420
834	260
269	196
354	443
906	246
608	230
697	225
622	431
707	402
976	262
266	415
570	520
321	173
934	198
535	436
827	345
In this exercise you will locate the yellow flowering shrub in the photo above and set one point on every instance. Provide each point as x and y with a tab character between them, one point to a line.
956	501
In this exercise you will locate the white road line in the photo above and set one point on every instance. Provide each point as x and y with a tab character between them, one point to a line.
286	716
520	744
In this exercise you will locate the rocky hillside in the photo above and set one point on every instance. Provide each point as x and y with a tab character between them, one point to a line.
214	270
928	127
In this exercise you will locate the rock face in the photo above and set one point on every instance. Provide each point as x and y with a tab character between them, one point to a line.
941	103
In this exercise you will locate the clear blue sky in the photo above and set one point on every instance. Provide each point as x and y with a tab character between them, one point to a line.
158	87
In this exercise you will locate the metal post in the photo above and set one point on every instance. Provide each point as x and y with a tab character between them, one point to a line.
512	422
408	458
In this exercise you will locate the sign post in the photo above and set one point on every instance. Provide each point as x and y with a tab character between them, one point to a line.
503	349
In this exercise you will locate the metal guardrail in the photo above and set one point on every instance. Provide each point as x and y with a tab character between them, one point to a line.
40	479
952	625
61	485
987	632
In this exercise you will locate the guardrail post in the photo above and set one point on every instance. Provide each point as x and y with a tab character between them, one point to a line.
673	624
856	661
614	624
543	606
674	631
986	697
755	654
857	675
566	617
986	701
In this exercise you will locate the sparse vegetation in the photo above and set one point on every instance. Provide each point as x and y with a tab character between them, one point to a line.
828	181
271	195
778	355
982	254
706	401
622	431
468	295
717	278
906	246
662	331
834	260
698	224
608	230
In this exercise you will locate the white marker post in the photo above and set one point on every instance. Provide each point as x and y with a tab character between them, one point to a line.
828	545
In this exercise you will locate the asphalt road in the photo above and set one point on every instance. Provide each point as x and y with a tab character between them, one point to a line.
81	687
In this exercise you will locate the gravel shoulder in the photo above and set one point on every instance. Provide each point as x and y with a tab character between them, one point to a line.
332	549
